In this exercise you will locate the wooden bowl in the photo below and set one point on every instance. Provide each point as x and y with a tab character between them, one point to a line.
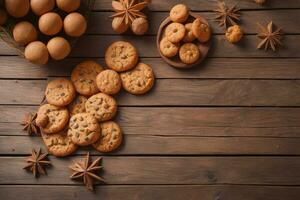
175	61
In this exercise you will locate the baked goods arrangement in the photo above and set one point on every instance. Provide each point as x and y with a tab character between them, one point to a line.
43	29
183	38
80	111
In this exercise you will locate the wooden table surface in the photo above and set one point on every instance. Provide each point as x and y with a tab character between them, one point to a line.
226	130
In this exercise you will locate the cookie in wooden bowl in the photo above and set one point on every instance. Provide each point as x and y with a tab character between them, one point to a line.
187	51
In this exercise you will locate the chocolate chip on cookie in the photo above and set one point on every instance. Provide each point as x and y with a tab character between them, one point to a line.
52	119
84	77
109	82
179	13
101	106
59	144
189	53
138	80
111	137
84	129
121	56
77	105
60	92
189	35
167	48
175	32
201	30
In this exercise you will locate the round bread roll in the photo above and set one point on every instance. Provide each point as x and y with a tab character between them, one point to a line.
17	8
50	23
68	5
40	7
58	48
74	24
140	26
24	33
36	52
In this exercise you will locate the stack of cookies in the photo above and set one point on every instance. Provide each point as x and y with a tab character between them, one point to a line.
182	35
80	112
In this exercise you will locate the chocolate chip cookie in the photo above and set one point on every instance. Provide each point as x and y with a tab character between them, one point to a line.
59	144
52	119
60	92
111	137
138	80
84	129
109	82
167	48
84	77
77	105
121	56
189	53
101	106
175	32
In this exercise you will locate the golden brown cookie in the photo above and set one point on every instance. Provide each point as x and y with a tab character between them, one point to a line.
60	92
175	32
52	119
59	144
189	53
189	35
101	106
179	13
167	48
109	82
111	137
84	129
121	56
234	34
84	77
138	80
201	30
77	105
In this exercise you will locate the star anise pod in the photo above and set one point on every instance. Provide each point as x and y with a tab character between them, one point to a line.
87	171
29	124
128	10
37	162
226	16
271	39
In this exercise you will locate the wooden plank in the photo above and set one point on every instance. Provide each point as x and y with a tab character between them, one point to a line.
172	145
150	192
205	5
167	170
224	122
95	45
288	19
183	92
260	68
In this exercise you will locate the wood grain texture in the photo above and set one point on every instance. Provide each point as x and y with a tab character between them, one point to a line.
183	92
224	122
95	45
221	68
171	145
150	192
288	19
167	170
205	5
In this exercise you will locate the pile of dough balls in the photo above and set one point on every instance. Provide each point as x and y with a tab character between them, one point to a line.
50	24
182	35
